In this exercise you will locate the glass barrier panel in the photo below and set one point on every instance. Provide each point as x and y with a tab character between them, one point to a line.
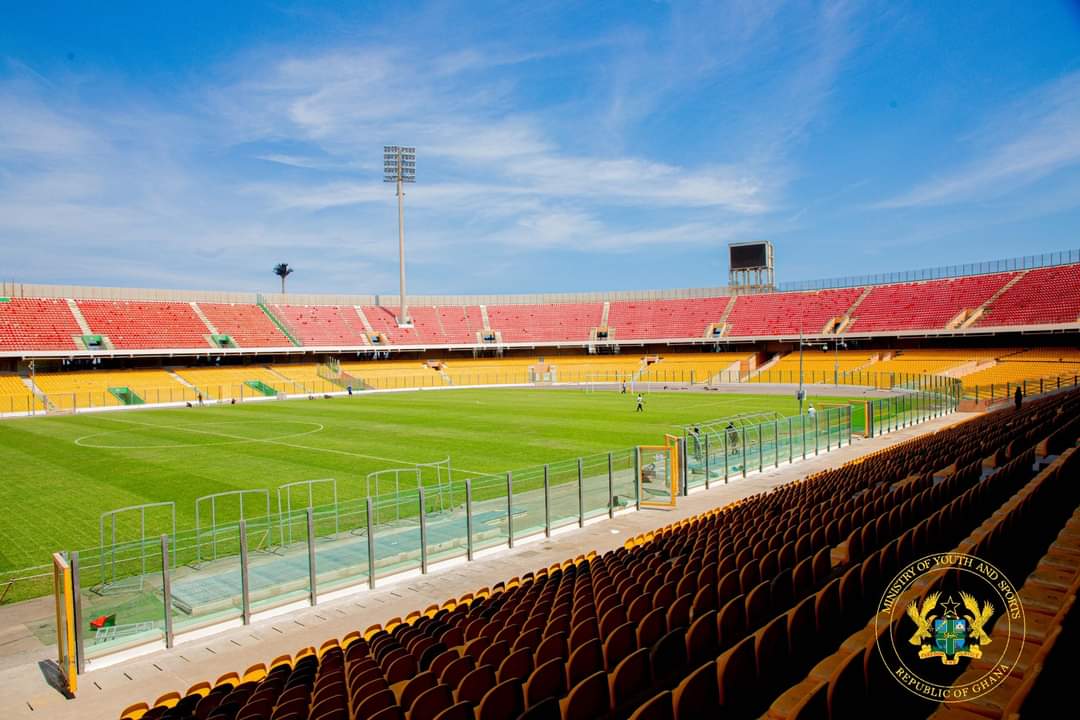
207	592
595	485
397	534
278	573
341	548
528	488
563	484
125	607
447	526
625	482
489	511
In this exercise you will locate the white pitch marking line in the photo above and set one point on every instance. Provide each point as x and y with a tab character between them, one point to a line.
278	442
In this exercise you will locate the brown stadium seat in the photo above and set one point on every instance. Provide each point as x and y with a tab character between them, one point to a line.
453	673
630	683
476	684
667	658
656	708
431	703
551	647
583	662
503	702
460	711
697	695
651	628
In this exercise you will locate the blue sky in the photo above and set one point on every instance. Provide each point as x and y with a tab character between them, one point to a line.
561	146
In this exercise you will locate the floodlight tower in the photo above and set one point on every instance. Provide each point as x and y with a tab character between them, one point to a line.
399	166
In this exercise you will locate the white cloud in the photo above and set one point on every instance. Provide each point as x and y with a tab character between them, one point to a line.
1037	136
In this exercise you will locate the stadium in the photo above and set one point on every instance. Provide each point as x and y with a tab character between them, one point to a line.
773	497
110	383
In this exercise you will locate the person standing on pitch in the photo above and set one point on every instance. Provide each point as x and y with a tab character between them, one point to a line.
1018	398
640	403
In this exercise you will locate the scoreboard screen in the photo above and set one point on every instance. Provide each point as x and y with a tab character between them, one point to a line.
747	256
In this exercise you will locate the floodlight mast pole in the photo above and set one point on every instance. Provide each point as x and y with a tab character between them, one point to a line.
403	318
399	167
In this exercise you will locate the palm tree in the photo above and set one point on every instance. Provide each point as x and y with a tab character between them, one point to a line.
282	270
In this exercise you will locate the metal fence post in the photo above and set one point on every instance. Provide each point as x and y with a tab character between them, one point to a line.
80	654
509	509
547	503
802	422
828	431
166	590
760	448
370	544
245	589
727	458
637	477
706	461
790	445
776	443
817	438
313	590
743	443
610	487
580	494
468	520
423	532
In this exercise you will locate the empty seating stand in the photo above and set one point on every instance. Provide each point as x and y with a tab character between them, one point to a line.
1045	296
545	323
646	319
927	305
246	324
721	615
138	324
1042	296
324	325
788	313
37	324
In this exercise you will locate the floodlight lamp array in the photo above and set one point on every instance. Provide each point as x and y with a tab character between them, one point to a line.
399	163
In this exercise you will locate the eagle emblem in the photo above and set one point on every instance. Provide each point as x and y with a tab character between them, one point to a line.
919	617
978	617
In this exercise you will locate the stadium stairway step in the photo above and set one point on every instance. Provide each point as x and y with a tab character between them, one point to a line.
764	368
484	316
37	392
180	380
202	316
262	387
277	374
727	311
281	324
850	313
79	318
363	319
988	305
438	321
604	315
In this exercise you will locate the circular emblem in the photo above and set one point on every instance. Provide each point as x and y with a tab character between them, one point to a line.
950	627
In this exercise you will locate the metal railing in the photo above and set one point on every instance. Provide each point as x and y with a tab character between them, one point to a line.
1026	262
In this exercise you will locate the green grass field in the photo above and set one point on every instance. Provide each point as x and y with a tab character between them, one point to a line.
62	472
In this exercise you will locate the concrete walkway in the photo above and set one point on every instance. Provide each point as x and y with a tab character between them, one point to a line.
25	691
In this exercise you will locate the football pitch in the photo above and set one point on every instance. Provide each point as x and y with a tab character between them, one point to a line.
62	472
